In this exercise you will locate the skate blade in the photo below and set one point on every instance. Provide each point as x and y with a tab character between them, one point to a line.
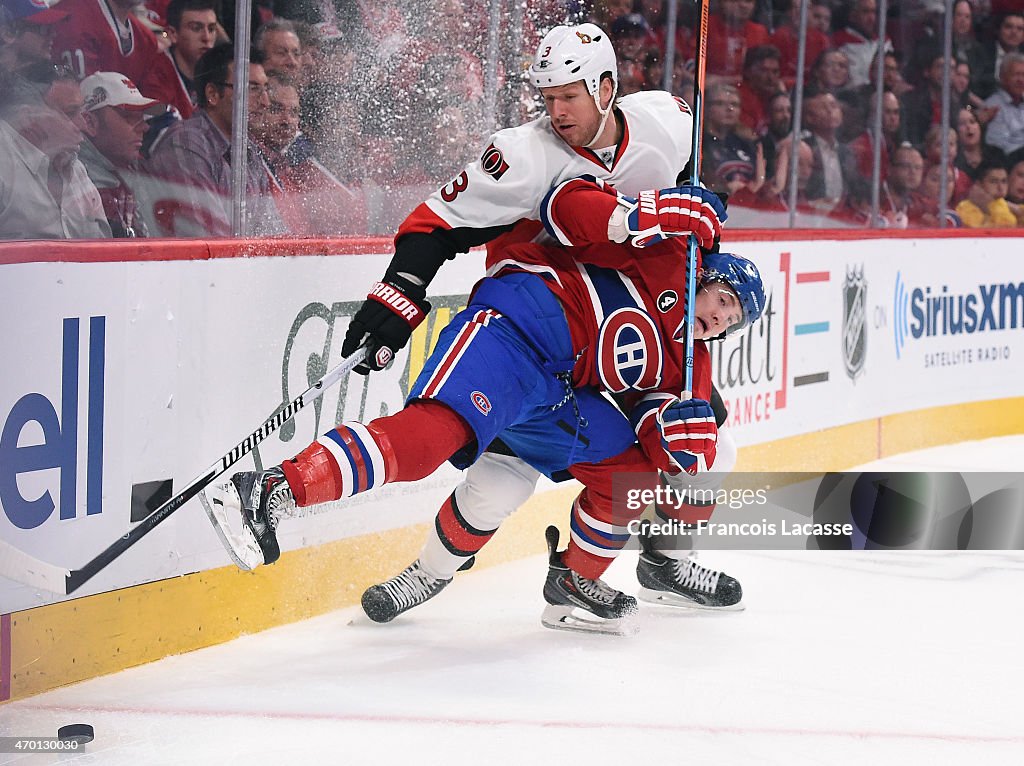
566	618
663	598
219	502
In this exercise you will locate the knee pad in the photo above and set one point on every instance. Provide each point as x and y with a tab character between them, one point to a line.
493	487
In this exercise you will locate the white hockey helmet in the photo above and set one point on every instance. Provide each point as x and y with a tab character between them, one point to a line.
571	53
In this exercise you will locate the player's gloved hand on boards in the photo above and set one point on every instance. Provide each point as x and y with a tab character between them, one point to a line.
657	215
689	433
393	309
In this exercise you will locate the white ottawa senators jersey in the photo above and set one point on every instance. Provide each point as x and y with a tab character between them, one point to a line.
520	165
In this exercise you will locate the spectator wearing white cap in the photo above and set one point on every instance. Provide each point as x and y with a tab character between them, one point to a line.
115	122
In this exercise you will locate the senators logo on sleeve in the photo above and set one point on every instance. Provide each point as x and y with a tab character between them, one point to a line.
493	162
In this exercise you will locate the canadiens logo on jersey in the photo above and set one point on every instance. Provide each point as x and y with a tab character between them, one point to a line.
481	402
493	162
630	355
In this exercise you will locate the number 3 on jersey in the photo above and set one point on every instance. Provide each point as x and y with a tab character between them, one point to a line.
456	187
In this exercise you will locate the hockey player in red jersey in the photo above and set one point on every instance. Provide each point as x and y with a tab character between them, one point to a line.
526	363
639	142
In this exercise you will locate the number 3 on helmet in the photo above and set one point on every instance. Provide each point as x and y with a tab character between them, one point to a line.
567	54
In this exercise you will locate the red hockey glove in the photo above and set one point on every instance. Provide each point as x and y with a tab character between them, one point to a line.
385	321
657	215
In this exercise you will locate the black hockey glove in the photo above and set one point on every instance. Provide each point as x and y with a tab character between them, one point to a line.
385	321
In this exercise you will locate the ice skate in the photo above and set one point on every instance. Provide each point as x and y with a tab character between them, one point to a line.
684	583
245	512
580	604
410	587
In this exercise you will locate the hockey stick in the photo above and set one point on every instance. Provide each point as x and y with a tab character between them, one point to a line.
78	577
17	565
691	253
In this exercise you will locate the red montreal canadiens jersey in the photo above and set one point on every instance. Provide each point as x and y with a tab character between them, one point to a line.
519	166
625	312
87	41
625	307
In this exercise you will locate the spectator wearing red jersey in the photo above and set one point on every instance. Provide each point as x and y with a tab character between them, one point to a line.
863	146
933	156
105	36
761	81
787	39
924	203
731	33
655	13
819	16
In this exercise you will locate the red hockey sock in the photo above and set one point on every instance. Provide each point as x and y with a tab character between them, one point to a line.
406	446
421	437
593	546
313	476
599	528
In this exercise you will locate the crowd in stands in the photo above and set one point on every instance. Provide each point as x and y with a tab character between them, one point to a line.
750	94
116	116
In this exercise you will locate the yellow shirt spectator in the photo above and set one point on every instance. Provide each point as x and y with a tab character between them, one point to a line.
997	216
986	205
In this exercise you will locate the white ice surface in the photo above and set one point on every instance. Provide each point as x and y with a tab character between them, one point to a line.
840	658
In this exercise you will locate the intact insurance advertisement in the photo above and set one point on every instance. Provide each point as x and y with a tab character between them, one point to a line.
856	330
139	376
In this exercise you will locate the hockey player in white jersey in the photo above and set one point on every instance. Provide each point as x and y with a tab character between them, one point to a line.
636	143
639	142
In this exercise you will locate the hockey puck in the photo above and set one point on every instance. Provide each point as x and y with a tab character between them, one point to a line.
76	732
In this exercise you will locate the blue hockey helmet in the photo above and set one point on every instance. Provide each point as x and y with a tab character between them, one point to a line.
743	277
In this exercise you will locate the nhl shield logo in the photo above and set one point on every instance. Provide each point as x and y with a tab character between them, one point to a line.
855	290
